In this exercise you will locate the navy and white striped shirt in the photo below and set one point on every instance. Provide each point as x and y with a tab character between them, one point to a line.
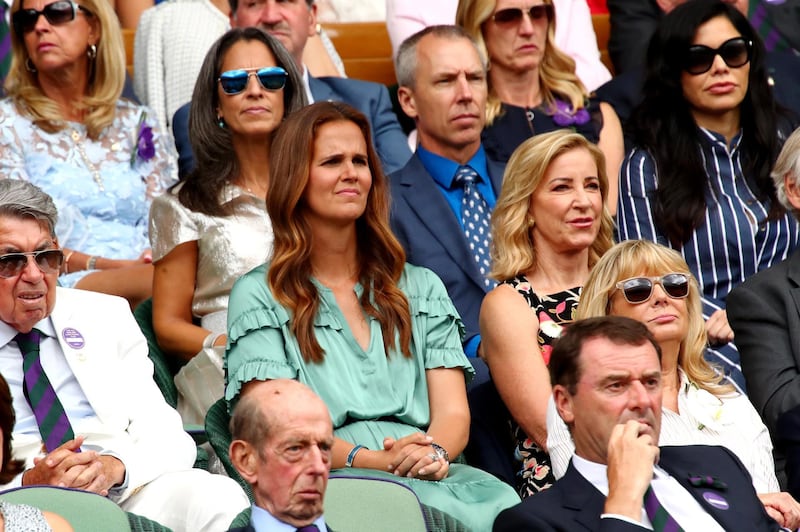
734	241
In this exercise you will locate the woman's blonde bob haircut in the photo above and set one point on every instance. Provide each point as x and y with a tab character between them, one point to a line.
513	250
106	75
641	257
556	71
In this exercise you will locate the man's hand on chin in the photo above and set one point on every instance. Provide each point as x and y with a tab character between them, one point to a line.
632	452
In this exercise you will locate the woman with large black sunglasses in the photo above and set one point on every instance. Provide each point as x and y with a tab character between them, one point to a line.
651	283
706	134
66	129
213	227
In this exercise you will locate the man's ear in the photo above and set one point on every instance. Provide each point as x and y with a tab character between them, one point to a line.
792	190
563	401
312	19
244	458
405	96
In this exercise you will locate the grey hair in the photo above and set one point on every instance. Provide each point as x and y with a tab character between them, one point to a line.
23	200
406	63
787	165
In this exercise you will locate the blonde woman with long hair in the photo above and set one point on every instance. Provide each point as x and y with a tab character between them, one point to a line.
549	227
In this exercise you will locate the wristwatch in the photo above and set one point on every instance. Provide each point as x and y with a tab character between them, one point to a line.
441	452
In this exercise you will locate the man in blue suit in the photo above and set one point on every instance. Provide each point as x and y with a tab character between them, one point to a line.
442	78
606	378
292	22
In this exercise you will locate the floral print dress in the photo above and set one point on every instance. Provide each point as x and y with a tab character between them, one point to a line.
553	312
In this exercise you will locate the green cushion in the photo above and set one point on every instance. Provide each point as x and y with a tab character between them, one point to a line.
163	374
219	436
85	511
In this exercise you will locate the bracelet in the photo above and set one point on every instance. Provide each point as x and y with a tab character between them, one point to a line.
352	455
66	262
91	262
211	339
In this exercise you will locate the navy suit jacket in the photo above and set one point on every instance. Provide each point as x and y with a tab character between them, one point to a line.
432	236
574	504
372	99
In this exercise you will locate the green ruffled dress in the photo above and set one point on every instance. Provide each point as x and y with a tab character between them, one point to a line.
363	388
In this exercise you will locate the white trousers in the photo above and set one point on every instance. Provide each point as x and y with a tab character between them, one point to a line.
193	500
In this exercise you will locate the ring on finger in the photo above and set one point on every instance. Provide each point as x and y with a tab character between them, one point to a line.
434	457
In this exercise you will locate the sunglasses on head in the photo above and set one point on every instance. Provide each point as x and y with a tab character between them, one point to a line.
735	52
48	260
513	15
270	78
640	289
56	13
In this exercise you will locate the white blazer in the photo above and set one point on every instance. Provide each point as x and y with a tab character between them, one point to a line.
110	362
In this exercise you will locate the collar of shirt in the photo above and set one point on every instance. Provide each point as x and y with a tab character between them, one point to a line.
444	170
263	521
7	332
306	86
714	138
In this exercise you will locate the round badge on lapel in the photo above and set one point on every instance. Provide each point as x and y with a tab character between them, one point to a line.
73	338
716	500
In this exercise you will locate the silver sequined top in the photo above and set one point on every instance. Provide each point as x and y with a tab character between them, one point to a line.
23	518
228	246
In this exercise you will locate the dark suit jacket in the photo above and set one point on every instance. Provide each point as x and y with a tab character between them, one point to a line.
372	99
432	236
764	313
633	22
574	504
787	437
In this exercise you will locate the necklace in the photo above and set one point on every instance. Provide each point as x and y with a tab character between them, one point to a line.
76	137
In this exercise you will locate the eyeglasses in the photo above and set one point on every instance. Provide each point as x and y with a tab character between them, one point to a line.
48	260
270	78
640	289
513	15
735	52
56	13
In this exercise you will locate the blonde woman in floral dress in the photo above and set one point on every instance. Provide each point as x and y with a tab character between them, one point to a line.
647	282
549	227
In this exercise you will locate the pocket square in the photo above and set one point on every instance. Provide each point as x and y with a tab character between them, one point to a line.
701	481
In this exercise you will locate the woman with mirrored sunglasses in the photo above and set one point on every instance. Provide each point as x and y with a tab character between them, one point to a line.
651	283
213	226
706	134
549	228
65	128
533	87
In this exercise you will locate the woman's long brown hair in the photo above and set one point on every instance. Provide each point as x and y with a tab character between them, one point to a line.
380	255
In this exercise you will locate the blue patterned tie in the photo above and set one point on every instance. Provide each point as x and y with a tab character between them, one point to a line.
476	217
661	520
47	409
